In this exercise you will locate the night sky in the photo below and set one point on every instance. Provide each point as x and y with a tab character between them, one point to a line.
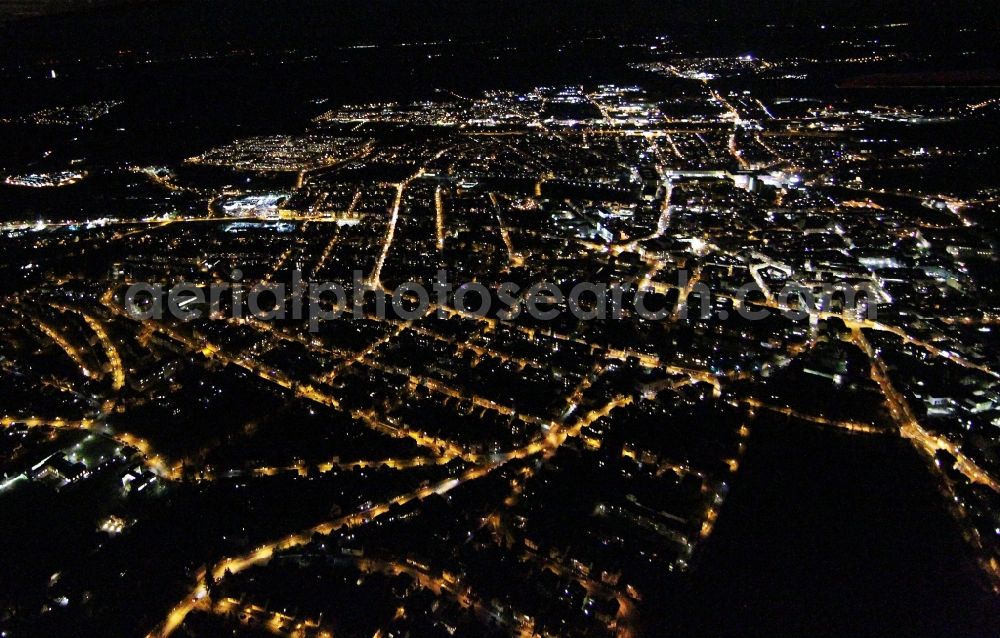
102	26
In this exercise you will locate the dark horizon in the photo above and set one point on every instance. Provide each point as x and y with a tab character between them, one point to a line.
168	24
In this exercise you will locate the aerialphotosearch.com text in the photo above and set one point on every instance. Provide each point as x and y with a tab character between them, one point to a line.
317	302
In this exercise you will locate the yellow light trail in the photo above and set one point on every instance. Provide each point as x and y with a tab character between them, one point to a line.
439	217
110	349
856	427
264	553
